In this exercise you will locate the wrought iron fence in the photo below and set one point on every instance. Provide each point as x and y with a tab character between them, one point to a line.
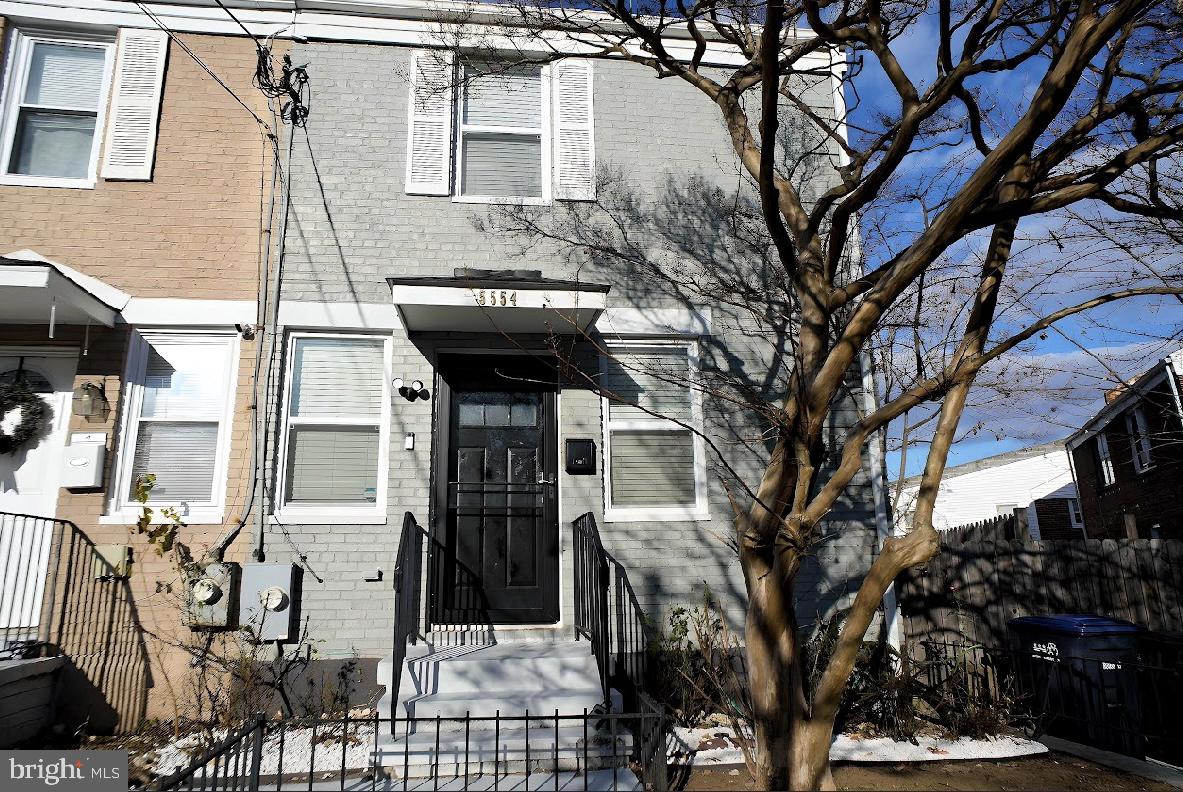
1124	706
29	559
592	750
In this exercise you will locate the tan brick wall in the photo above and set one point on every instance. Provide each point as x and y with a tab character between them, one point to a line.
193	230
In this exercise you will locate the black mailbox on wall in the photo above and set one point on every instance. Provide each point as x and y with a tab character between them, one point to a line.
581	457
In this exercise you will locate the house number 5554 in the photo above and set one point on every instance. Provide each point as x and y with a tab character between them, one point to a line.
493	297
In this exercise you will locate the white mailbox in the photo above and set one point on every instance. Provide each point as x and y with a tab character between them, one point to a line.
82	463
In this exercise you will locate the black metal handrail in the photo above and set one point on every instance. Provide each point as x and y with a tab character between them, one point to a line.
617	630
32	547
591	592
406	594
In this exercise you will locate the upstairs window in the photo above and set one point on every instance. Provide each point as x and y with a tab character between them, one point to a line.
500	149
1074	511
500	132
1104	461
55	96
654	459
1139	434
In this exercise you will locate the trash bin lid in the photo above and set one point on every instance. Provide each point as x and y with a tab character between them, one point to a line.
1077	624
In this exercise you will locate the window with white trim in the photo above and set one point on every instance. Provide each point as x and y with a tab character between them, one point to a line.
1139	434
501	133
654	463
179	411
337	426
1074	511
1104	461
55	94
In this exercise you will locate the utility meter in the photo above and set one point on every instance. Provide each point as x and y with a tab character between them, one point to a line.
269	600
211	595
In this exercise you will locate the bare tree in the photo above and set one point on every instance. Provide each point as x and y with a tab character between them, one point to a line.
1095	133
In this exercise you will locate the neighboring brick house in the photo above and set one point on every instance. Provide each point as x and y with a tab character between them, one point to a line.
409	350
130	192
1036	482
1127	458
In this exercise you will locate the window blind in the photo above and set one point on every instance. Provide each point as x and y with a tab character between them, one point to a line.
502	165
185	381
656	379
512	98
333	465
652	468
337	377
182	457
65	77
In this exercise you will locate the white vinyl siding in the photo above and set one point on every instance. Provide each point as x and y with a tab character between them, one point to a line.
53	106
1139	434
336	426
178	423
654	460
1104	461
503	134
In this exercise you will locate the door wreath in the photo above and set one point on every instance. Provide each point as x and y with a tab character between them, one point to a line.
34	414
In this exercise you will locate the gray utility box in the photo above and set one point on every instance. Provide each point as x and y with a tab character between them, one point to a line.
269	601
211	597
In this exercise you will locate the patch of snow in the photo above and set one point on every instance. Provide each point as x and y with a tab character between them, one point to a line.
718	746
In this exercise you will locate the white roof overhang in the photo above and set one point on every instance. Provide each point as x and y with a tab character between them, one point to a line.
35	290
497	305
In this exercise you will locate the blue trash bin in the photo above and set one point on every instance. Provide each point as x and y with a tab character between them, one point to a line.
1080	672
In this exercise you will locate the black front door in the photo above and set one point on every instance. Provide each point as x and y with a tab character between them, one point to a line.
500	548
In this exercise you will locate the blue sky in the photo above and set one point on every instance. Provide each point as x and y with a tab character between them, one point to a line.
1059	380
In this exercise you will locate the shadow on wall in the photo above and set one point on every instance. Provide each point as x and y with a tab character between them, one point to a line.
93	622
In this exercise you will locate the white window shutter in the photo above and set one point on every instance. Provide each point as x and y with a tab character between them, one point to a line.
429	123
575	151
135	107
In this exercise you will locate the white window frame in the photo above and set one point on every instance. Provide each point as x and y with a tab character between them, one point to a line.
1105	461
122	510
700	509
1075	515
330	513
460	128
16	70
1139	434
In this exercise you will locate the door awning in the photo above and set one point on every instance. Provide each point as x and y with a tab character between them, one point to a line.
497	301
35	290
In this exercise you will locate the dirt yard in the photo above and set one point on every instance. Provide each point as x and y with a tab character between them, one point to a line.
1046	772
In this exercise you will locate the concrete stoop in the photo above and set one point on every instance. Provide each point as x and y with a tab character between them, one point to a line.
495	685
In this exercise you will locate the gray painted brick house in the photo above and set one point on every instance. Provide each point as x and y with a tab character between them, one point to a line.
419	272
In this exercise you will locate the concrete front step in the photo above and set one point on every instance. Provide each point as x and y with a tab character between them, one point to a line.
600	738
616	780
485	679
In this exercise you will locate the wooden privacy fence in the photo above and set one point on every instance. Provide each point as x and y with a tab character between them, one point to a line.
989	572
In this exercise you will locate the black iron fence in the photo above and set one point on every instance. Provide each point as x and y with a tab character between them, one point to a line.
29	559
591	750
1121	706
615	625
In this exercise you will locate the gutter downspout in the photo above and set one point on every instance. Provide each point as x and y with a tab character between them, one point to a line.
883	524
271	316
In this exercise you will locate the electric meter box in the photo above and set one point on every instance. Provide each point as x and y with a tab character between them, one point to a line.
269	599
211	596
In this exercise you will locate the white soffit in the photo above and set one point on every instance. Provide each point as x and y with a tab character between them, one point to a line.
432	305
35	290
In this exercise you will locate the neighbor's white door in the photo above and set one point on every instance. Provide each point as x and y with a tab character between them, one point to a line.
29	482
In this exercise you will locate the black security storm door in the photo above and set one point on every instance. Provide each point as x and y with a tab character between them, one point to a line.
500	548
